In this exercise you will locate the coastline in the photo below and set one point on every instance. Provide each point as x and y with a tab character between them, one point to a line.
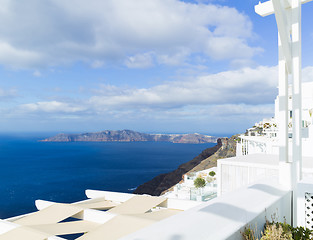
225	147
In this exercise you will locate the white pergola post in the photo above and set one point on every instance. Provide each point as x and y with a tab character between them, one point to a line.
296	88
288	19
285	163
296	103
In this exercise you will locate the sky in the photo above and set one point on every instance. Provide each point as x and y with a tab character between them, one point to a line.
167	66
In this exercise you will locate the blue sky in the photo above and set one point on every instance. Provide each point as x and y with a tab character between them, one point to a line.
151	66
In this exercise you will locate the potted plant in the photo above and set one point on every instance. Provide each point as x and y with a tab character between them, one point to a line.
199	183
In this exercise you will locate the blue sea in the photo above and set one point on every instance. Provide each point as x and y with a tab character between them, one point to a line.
61	172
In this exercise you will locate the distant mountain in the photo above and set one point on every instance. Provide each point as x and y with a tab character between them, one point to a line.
130	136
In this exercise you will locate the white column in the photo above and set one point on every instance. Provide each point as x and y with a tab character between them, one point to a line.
296	101
285	165
296	88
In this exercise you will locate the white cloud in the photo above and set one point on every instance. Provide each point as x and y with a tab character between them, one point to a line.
17	57
51	107
226	110
246	94
97	64
232	98
175	58
230	48
140	61
7	93
228	99
245	86
53	32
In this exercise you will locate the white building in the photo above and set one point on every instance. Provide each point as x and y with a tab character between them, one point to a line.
263	137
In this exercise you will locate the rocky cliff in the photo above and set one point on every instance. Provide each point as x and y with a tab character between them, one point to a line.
130	136
206	159
228	149
164	181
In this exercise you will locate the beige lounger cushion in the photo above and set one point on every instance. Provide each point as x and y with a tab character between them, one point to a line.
52	214
123	225
66	227
138	204
24	233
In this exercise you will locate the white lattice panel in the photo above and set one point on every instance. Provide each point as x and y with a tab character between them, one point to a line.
309	210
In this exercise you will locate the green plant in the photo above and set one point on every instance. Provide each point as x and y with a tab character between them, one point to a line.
212	173
199	182
276	232
301	233
249	233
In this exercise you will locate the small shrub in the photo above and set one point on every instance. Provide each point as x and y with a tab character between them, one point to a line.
301	233
276	232
283	231
199	182
249	233
212	173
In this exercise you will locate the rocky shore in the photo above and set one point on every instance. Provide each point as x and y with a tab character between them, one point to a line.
226	147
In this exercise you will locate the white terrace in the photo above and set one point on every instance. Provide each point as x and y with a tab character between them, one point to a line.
186	189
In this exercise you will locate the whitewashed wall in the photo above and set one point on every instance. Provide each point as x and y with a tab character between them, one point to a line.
234	175
223	217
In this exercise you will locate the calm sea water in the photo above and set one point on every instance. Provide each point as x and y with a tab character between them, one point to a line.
61	172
